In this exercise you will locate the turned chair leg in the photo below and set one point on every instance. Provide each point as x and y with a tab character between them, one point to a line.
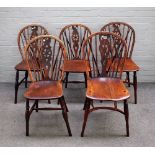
64	113
36	102
27	117
85	104
49	102
128	78
126	113
135	86
85	77
16	86
66	79
86	113
26	78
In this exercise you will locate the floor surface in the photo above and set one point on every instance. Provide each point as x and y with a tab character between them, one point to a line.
104	128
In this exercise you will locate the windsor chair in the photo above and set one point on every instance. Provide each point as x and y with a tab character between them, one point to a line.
25	35
73	36
44	57
128	34
106	53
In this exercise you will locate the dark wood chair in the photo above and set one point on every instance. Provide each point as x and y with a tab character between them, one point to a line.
106	53
73	36
44	57
128	34
25	35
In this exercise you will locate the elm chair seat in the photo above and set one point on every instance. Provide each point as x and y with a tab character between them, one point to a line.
110	89
22	66
42	90
76	66
130	65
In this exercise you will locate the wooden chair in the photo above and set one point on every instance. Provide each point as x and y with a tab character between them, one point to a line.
44	57
25	35
73	36
128	34
106	53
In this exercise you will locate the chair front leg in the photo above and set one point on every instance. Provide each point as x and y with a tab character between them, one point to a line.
126	113
86	113
64	113
135	86
27	117
16	86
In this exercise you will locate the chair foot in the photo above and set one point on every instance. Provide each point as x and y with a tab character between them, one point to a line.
126	113
135	86
64	113
87	106
16	86
27	117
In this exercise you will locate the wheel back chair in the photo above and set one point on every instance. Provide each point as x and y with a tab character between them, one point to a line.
128	34
25	35
73	36
106	53
44	57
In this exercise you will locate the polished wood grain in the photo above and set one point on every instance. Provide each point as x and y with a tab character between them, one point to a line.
80	66
43	90
110	89
73	36
47	54
24	36
107	53
130	65
127	32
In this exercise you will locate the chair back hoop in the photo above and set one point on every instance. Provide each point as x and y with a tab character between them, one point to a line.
44	57
124	30
106	53
73	36
27	33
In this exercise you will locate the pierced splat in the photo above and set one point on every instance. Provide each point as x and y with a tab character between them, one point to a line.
48	59
73	36
104	49
75	40
34	31
105	60
123	30
47	55
28	33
